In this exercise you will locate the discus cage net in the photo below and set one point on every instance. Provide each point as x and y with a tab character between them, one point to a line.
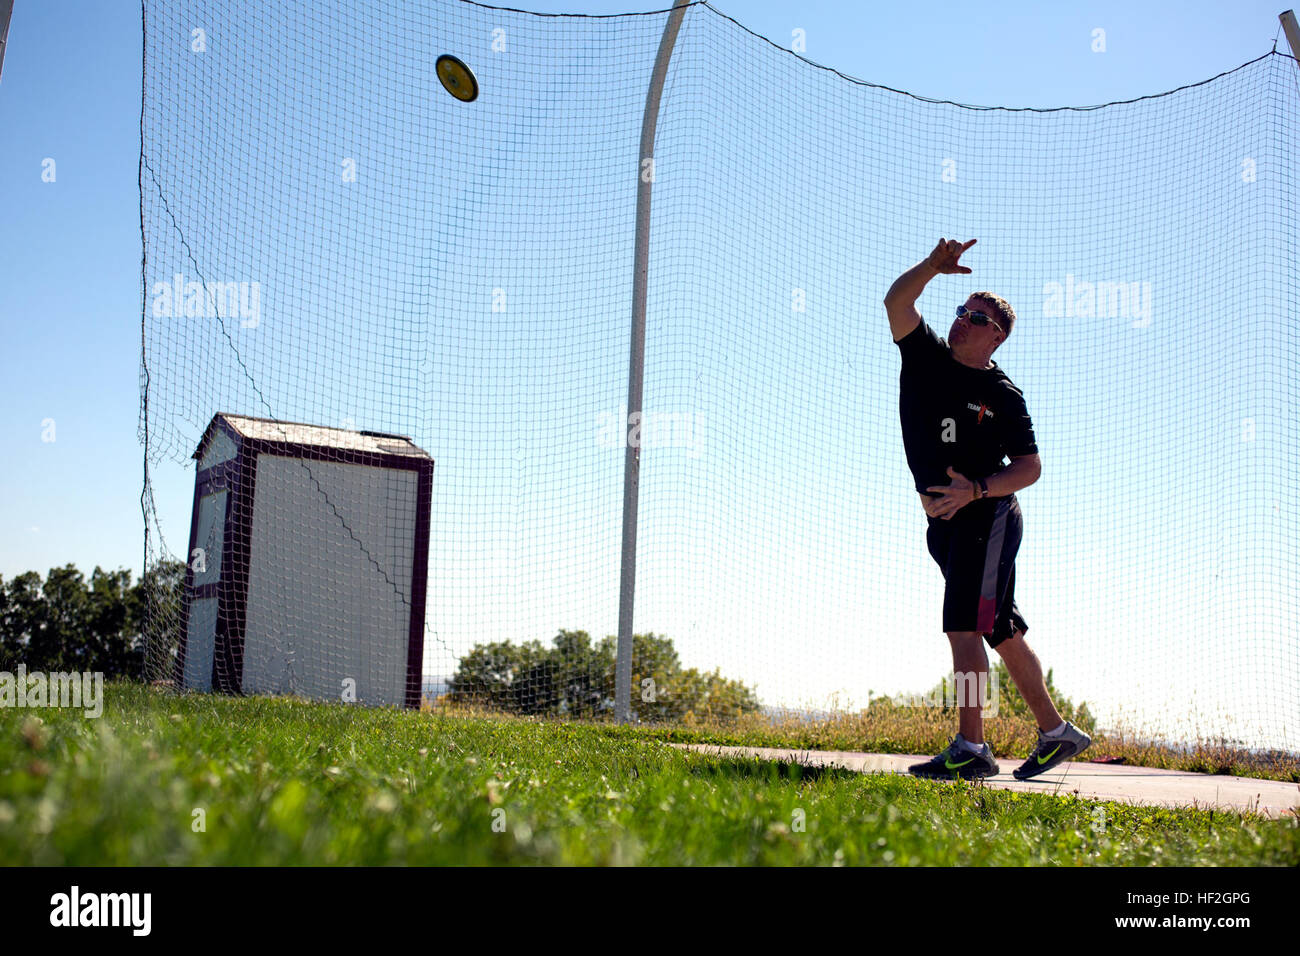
331	238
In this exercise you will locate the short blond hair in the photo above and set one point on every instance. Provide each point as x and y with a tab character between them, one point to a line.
1006	315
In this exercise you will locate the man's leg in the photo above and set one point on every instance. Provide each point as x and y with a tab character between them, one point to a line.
970	671
1026	670
973	759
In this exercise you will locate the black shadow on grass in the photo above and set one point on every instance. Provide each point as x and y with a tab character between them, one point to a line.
739	768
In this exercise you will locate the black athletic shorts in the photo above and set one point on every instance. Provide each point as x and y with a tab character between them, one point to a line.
976	550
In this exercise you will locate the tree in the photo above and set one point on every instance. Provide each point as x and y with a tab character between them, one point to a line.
576	678
157	603
23	611
500	675
68	624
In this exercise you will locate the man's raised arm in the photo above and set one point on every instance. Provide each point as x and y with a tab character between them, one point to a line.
900	300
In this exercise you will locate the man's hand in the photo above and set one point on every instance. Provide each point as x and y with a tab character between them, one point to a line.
955	496
945	255
900	300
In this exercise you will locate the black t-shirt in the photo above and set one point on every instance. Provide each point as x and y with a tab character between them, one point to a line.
956	415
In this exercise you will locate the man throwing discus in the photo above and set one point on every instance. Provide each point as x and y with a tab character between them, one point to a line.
962	416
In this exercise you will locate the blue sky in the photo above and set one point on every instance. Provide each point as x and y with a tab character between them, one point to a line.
70	307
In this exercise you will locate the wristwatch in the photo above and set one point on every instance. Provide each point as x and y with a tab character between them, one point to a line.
983	487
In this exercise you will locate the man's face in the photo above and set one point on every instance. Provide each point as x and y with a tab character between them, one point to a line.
966	332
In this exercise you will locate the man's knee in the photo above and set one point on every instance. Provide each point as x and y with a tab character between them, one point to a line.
966	643
1014	644
966	640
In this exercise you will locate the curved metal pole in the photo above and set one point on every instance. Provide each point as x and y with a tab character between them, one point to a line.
636	365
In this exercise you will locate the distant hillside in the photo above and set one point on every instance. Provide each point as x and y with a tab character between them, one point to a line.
433	686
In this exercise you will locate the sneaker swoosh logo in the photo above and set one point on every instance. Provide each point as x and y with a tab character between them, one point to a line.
1043	760
953	766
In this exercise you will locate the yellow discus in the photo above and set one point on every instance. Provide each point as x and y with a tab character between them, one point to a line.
457	78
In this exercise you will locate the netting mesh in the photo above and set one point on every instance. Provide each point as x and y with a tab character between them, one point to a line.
461	273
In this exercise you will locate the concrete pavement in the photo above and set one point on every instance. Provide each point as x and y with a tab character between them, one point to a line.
1121	783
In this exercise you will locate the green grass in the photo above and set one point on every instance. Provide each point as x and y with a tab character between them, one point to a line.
282	781
927	730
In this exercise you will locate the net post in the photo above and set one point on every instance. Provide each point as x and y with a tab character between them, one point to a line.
1292	31
636	365
6	13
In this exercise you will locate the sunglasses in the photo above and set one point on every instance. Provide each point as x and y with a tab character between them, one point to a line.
978	318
